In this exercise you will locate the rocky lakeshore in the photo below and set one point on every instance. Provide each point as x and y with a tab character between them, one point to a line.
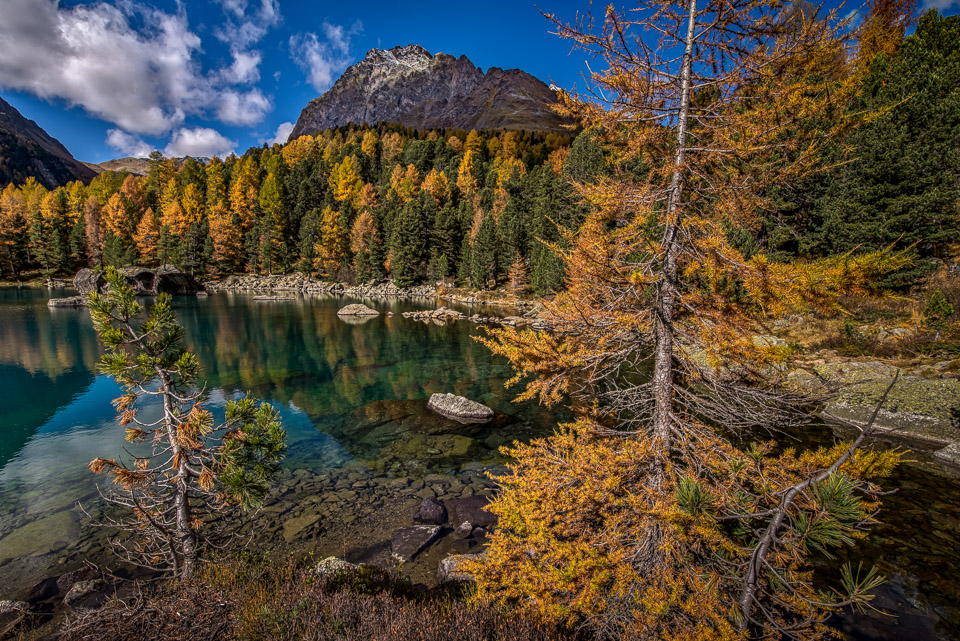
298	282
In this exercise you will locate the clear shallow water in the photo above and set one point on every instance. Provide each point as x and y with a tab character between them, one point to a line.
352	396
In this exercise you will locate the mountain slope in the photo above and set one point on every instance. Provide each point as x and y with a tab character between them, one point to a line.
409	86
27	150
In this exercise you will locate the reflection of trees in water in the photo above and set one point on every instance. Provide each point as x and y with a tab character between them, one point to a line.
41	340
300	351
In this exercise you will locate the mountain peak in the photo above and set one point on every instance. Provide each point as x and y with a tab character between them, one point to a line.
413	56
410	86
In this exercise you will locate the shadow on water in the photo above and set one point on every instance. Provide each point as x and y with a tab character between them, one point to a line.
355	395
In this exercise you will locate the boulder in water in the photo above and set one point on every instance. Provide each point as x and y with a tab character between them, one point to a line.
460	408
73	301
357	309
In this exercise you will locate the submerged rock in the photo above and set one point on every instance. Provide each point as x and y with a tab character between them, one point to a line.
472	510
273	298
407	542
431	511
460	408
357	309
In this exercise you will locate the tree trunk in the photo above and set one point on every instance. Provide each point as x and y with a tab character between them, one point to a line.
666	300
181	500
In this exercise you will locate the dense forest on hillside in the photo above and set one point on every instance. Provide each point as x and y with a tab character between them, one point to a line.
483	207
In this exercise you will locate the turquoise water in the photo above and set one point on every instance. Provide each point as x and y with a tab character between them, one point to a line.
354	394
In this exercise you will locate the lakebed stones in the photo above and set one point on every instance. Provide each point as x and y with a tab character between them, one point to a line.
267	298
460	408
407	542
292	528
357	309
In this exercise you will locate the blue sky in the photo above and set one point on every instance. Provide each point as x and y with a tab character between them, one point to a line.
111	78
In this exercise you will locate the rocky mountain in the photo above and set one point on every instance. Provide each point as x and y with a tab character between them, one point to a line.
27	150
409	86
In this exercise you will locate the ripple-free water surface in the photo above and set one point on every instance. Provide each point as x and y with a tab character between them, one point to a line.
329	377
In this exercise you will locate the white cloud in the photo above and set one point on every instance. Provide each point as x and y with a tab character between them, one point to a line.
941	5
245	67
200	141
247	108
236	7
128	144
129	64
321	60
283	132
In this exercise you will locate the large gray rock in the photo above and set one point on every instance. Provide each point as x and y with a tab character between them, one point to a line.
407	542
357	309
459	408
88	281
452	568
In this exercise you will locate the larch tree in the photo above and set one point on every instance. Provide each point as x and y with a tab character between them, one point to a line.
147	237
333	240
93	226
186	469
362	236
648	518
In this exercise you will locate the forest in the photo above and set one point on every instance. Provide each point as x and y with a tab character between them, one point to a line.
359	203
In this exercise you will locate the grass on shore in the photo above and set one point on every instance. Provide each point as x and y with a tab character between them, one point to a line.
251	600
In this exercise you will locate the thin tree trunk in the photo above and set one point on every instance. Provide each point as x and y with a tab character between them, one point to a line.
181	501
663	351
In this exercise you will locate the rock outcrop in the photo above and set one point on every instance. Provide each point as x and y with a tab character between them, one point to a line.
299	283
410	86
145	282
459	408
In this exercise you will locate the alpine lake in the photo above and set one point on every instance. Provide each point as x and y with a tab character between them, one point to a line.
363	448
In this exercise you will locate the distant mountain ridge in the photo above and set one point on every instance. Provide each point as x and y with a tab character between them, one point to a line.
410	86
27	150
136	166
